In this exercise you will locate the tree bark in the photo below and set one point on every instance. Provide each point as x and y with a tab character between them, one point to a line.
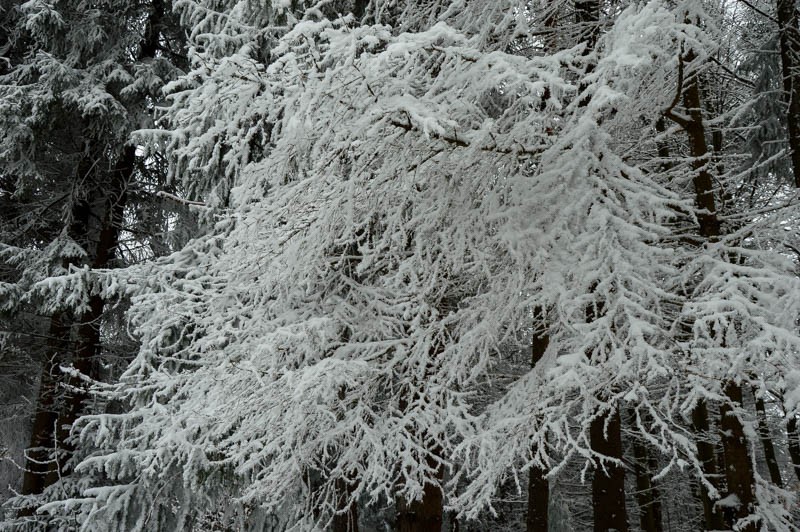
605	431
794	443
58	409
538	486
738	470
738	465
789	44
766	441
608	481
346	521
538	501
42	468
647	495
712	518
424	515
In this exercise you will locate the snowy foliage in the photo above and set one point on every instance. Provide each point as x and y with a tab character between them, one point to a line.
397	201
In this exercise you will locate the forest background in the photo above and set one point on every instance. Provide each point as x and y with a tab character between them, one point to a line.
406	265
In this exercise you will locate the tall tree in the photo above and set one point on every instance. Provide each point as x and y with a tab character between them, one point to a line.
789	45
70	102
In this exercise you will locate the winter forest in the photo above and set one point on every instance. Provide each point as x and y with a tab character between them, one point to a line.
399	265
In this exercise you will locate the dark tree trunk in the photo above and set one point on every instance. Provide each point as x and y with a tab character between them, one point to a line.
738	470
608	481
538	485
42	468
766	441
705	454
587	18
348	520
794	443
424	515
702	179
738	466
538	501
59	406
789	44
647	494
359	8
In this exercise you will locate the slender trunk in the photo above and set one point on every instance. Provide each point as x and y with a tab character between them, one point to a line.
42	468
794	443
647	494
738	471
605	431
702	180
425	514
705	454
538	485
57	409
766	441
608	481
652	519
789	44
738	466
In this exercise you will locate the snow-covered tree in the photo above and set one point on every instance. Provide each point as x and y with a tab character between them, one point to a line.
76	80
397	194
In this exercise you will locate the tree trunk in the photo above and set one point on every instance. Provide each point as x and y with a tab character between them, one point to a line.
608	481
766	441
538	485
346	521
58	409
738	466
587	18
423	515
713	519
738	470
789	44
538	501
41	467
647	495
794	443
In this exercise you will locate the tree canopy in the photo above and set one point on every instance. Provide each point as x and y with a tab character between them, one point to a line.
371	265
